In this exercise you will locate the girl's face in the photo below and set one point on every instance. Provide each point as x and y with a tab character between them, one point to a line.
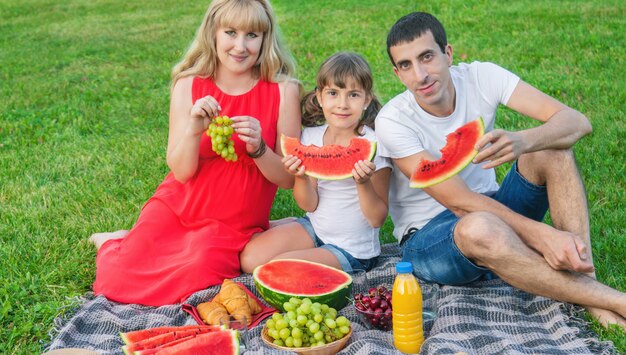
237	50
343	108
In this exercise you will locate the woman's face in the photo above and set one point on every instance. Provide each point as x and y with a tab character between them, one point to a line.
237	50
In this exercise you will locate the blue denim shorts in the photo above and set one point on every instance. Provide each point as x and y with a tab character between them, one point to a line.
435	256
347	261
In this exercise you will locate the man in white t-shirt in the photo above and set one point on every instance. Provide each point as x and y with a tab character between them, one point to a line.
468	228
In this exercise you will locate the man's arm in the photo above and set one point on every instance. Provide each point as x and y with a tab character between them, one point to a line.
563	253
562	127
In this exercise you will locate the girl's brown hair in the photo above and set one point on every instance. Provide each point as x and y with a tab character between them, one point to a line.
340	69
274	63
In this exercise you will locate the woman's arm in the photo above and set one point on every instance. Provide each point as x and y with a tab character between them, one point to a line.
289	124
187	124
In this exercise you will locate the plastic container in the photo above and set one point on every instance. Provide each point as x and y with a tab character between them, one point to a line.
406	304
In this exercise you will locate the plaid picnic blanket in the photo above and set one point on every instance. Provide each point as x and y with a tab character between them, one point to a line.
483	318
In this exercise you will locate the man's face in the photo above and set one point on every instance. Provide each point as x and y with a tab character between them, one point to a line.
424	70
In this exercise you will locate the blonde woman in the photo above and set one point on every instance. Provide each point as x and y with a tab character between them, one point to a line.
189	234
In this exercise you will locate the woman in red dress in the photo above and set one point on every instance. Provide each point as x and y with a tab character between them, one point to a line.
189	234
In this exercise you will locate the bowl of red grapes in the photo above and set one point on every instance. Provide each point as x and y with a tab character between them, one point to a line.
374	307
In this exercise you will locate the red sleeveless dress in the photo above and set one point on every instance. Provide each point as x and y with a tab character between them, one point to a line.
189	236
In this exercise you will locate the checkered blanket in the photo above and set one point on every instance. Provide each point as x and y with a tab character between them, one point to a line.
483	318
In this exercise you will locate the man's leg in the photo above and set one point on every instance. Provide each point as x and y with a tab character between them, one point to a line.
557	170
489	242
568	208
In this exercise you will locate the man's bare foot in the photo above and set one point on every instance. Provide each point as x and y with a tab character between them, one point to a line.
99	238
278	222
606	317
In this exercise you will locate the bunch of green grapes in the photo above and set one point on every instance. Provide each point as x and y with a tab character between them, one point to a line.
220	130
306	324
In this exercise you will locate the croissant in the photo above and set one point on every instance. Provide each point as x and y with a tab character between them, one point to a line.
235	300
211	312
255	307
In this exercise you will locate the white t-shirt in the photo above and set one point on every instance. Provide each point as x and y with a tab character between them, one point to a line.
403	128
338	219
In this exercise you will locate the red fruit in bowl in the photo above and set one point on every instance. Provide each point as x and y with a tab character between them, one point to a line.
388	296
384	304
374	307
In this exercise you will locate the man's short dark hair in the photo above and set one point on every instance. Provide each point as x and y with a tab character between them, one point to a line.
414	25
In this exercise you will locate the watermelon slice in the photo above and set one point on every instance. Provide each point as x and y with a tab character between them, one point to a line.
161	347
330	162
222	342
455	156
279	280
165	338
139	335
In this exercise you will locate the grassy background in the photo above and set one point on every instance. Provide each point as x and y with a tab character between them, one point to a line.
83	118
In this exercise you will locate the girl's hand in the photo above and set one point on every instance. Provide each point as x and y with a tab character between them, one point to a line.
202	111
363	171
249	131
292	165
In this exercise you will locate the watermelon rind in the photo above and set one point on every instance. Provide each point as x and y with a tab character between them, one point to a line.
310	171
337	297
417	183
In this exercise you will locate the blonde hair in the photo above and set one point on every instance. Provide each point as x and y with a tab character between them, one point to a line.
274	62
341	69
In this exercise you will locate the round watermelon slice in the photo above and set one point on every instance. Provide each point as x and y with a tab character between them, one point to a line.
279	280
458	152
330	162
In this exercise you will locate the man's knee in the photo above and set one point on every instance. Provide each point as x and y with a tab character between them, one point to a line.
481	234
537	166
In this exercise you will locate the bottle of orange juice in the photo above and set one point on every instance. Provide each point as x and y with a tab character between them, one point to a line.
406	307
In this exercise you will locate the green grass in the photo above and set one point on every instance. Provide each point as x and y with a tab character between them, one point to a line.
83	118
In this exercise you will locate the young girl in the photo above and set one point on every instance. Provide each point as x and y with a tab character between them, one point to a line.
189	234
343	217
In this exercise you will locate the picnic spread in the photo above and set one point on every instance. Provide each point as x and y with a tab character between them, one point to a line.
488	317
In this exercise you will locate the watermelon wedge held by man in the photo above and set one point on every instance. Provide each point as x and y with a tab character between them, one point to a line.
455	156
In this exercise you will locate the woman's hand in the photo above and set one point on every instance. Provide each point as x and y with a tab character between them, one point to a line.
293	165
202	111
363	171
249	131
